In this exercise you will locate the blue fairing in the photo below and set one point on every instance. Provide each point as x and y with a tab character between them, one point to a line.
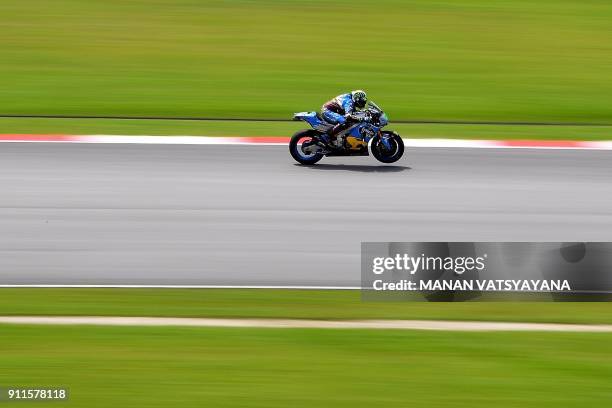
361	130
384	120
309	117
364	131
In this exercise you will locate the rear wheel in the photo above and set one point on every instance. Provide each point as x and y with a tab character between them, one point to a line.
391	153
303	147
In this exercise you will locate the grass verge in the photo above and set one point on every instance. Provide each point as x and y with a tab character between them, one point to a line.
505	60
194	367
280	303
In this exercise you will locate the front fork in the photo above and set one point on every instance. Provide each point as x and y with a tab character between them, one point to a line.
384	138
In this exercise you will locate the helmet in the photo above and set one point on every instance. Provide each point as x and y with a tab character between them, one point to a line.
359	98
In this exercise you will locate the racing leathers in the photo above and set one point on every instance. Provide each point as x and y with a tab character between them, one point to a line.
337	111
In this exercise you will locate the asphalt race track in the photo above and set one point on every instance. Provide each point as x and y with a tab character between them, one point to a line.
247	215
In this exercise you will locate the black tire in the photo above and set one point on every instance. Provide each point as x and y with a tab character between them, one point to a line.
388	156
295	147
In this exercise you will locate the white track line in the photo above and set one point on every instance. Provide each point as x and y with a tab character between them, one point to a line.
272	141
188	140
306	324
251	141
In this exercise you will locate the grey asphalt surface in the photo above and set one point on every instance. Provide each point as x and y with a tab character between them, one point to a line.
247	215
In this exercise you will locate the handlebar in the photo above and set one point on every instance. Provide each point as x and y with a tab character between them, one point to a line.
358	116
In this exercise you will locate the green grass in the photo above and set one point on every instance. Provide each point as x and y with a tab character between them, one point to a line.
511	60
300	304
229	128
195	367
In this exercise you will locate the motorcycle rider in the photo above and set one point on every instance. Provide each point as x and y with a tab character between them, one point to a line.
341	111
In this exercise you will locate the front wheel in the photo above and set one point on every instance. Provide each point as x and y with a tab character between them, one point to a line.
390	152
303	147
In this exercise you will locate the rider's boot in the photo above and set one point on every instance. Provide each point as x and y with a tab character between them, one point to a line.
337	142
324	142
324	139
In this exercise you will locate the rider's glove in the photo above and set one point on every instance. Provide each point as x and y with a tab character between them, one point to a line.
355	116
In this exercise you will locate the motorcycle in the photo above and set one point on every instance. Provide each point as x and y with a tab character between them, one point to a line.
307	146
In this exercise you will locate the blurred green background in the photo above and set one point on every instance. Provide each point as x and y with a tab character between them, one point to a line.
502	60
462	60
221	367
285	304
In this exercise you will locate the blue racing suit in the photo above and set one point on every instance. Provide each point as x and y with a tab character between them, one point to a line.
335	110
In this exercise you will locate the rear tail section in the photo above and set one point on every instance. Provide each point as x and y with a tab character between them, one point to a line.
313	119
